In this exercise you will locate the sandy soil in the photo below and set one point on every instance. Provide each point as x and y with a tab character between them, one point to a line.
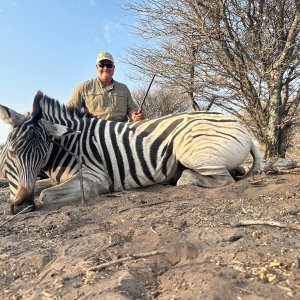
160	242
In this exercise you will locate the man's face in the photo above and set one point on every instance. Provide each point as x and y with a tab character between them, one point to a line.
105	70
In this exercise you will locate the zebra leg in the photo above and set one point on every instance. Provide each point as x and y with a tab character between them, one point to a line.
70	190
238	171
41	185
191	177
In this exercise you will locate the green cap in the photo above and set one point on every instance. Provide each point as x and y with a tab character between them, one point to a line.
104	56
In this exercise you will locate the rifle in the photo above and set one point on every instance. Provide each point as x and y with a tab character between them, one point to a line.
142	103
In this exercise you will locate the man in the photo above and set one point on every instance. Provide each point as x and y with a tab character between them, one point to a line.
104	97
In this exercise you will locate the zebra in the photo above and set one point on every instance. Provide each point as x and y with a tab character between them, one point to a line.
199	148
2	161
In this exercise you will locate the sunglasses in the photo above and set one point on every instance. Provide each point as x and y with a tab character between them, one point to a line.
107	65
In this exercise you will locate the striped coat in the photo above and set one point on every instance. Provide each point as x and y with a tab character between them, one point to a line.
2	162
200	148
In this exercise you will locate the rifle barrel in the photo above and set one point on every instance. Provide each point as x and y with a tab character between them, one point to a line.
141	105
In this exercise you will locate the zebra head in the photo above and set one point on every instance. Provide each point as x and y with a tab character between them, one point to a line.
27	146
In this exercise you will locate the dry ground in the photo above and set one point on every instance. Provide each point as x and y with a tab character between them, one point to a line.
58	251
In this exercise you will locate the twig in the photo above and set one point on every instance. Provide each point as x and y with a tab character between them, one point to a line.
258	183
265	222
244	290
152	228
284	288
127	258
83	201
108	246
79	160
113	195
149	204
23	210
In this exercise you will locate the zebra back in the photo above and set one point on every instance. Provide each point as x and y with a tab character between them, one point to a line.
140	153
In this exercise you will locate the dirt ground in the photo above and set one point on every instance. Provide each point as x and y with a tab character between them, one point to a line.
159	242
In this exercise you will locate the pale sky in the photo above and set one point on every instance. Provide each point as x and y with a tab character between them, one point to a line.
51	45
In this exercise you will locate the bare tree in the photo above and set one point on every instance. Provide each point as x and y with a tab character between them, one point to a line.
160	101
246	57
175	57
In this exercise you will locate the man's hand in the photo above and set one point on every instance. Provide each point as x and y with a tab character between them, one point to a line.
136	115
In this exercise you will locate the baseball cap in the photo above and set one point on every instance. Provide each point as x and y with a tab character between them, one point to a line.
104	56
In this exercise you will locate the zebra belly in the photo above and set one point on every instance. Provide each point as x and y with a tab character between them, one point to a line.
143	175
209	157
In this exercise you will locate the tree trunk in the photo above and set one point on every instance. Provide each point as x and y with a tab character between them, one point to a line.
284	134
280	146
274	118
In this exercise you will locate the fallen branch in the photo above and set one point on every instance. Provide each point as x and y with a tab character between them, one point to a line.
280	164
265	222
124	259
23	210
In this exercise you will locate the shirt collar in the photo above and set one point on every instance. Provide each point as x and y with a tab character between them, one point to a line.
107	87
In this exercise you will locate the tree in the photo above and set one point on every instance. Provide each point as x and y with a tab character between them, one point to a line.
246	57
175	58
160	101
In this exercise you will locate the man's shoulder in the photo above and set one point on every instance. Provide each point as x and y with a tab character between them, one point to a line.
87	84
90	82
120	85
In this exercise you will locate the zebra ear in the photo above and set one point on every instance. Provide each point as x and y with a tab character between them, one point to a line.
58	130
11	117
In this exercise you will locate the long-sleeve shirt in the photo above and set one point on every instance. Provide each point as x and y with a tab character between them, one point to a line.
108	102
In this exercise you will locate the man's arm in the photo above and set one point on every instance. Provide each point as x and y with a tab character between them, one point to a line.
134	113
76	100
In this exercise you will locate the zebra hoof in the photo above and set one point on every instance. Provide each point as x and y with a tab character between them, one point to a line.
19	209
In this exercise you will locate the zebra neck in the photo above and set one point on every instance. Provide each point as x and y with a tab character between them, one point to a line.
61	155
3	152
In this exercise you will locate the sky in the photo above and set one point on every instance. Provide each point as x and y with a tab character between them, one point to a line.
52	45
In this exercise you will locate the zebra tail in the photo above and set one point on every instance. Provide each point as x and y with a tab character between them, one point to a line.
256	165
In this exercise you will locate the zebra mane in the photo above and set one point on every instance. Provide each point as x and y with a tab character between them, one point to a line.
54	111
36	113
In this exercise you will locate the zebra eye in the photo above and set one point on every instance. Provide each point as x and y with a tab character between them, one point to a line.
30	134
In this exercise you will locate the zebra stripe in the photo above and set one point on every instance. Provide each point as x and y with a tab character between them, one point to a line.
117	156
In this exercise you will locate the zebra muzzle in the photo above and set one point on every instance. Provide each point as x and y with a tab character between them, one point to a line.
24	199
19	209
